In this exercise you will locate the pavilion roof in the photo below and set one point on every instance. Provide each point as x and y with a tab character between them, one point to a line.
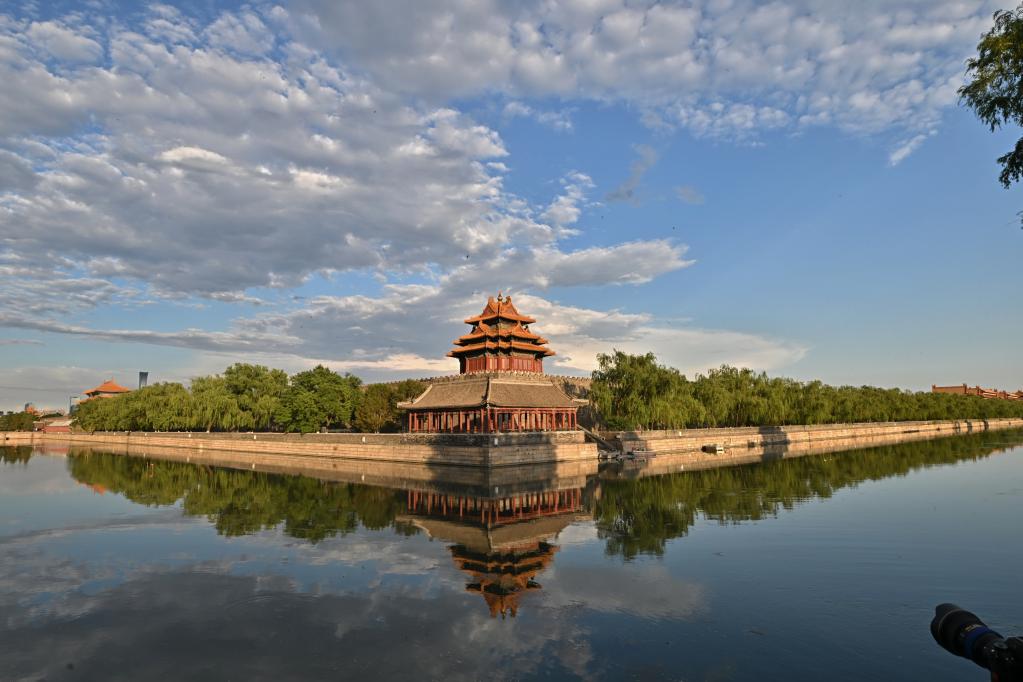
500	345
482	390
484	330
501	307
108	386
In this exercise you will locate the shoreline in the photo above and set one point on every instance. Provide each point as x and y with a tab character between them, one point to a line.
687	448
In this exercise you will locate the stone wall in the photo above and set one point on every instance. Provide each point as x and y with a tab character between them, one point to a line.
479	450
856	435
324	451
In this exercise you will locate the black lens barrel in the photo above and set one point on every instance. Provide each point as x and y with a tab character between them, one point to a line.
964	634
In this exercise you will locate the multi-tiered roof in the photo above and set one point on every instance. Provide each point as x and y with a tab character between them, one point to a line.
500	385
500	340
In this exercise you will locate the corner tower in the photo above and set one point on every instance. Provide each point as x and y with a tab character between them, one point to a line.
500	340
500	387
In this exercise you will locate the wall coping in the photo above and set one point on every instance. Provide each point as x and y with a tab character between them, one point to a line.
759	430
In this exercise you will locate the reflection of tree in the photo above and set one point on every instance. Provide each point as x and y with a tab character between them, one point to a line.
638	517
15	454
632	516
240	502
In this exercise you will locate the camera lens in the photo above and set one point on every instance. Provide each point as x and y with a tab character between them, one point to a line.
962	633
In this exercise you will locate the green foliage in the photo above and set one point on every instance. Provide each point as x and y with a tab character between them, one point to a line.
15	454
378	412
634	392
640	517
160	407
258	391
17	421
319	398
242	502
995	88
245	398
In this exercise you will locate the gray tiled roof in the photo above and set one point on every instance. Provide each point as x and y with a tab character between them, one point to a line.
493	391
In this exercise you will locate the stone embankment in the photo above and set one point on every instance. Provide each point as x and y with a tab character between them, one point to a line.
688	448
476	450
671	454
800	437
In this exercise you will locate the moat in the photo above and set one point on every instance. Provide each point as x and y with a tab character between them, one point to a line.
822	567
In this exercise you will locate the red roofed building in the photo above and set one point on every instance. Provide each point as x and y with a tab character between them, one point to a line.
500	340
501	385
108	389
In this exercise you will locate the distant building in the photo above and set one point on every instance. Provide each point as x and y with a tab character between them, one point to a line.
963	389
108	389
59	424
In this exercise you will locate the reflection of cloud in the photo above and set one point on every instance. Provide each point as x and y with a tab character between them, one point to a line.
577	534
650	591
400	558
182	625
43	477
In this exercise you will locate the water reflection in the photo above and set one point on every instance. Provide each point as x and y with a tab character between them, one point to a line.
19	454
639	511
156	569
501	543
636	511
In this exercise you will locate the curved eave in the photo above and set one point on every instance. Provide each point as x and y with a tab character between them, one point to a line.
455	352
510	334
515	317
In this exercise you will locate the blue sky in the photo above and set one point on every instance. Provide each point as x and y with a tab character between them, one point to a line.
789	186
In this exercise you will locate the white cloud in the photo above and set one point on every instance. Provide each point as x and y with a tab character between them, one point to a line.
558	120
198	161
50	386
370	335
720	68
565	209
243	33
579	334
689	194
905	148
213	169
62	42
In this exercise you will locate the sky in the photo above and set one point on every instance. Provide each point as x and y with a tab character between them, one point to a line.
788	186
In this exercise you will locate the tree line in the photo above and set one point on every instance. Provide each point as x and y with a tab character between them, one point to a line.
627	392
253	398
635	392
17	421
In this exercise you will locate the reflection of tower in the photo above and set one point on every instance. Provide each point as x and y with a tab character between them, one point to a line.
502	543
502	576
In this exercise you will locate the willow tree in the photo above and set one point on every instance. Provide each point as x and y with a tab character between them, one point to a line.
634	392
995	87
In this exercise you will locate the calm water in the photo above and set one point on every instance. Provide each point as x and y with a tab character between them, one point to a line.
825	567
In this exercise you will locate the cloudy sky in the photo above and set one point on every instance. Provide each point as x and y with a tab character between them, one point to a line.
789	186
